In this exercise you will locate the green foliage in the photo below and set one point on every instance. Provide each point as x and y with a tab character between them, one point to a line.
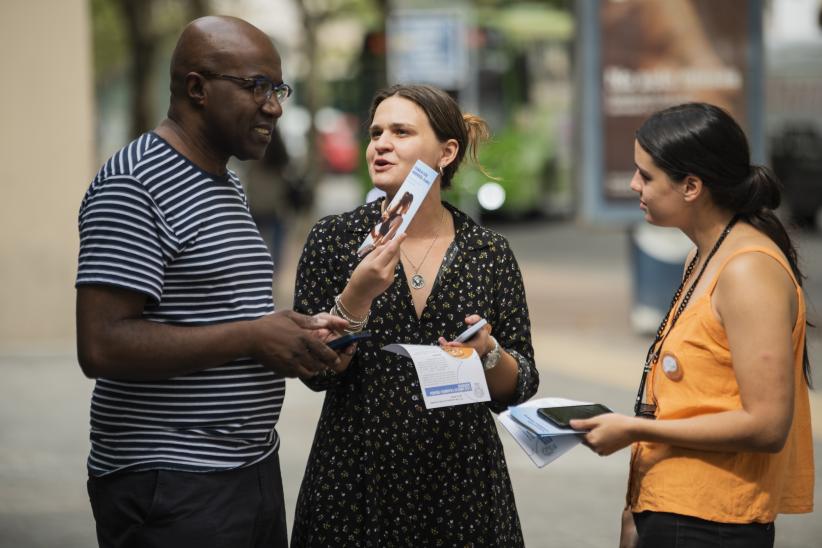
528	22
556	4
521	158
162	22
109	38
326	10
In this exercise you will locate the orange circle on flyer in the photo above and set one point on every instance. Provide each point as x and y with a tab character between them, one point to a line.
461	352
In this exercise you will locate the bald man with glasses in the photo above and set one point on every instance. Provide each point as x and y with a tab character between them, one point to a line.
175	315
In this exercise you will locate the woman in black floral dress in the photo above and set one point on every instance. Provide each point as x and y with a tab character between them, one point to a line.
384	470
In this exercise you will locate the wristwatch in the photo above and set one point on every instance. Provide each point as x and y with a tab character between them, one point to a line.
490	360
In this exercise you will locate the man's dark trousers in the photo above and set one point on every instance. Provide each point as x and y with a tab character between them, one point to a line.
162	508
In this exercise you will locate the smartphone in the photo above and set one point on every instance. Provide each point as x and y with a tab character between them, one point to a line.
471	331
561	416
345	340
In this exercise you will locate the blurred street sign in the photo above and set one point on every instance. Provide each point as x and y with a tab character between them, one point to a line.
429	46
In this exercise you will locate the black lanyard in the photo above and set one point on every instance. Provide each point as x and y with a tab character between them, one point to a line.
648	410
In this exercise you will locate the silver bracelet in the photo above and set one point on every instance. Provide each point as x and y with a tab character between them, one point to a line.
351	328
490	360
354	325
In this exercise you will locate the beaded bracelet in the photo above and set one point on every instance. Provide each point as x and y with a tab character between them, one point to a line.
354	325
352	328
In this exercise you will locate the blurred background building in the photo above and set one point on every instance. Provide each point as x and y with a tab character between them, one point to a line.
564	85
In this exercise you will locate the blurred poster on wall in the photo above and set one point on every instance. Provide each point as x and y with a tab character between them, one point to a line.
429	46
660	53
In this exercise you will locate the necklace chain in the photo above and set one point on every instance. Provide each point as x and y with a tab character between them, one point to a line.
652	357
418	281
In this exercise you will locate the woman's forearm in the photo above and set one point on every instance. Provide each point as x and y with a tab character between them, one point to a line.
502	379
734	431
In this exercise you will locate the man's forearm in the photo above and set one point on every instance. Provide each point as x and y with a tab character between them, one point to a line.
137	349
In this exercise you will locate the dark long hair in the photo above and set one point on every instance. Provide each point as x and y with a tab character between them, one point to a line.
446	119
703	140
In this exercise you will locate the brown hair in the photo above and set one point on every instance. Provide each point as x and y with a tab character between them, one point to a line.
446	119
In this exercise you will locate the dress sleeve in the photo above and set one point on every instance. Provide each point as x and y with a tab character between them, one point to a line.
512	325
317	285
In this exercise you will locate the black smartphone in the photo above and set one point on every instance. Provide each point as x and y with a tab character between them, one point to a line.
561	416
345	340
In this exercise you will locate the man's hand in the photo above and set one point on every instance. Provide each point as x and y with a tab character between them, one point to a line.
332	330
292	344
114	341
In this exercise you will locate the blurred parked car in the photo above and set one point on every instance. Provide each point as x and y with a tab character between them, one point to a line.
337	134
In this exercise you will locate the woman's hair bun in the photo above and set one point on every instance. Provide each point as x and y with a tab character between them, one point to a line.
764	190
478	130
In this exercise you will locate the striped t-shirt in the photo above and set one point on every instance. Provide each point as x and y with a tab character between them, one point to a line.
154	223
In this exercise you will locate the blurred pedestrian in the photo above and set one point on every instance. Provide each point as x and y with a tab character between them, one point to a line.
384	470
175	317
267	187
726	378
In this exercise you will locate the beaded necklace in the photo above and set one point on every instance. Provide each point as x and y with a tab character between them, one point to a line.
648	410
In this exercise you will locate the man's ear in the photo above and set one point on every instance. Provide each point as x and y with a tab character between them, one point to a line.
692	188
195	88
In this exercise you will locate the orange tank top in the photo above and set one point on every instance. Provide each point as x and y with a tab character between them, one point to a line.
723	487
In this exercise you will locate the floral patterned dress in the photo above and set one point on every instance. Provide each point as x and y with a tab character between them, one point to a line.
383	469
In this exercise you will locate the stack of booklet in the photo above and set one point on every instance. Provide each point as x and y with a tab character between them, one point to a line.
542	441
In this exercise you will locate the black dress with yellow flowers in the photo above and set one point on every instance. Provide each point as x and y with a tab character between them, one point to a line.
383	469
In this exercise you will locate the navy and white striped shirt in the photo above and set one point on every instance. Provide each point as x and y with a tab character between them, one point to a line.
154	223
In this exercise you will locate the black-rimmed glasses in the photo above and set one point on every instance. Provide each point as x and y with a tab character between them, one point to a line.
262	88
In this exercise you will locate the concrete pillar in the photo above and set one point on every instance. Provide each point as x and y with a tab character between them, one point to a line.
46	162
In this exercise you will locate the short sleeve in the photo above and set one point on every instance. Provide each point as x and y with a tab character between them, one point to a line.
121	238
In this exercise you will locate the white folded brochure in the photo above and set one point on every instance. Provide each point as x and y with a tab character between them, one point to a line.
398	214
541	448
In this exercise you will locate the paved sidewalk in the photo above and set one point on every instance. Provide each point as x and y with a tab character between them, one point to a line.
577	282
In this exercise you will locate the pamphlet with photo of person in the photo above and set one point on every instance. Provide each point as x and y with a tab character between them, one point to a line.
398	214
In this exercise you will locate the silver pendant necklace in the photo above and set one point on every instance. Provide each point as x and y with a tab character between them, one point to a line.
417	279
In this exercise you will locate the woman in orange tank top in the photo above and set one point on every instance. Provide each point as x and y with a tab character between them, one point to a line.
728	445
